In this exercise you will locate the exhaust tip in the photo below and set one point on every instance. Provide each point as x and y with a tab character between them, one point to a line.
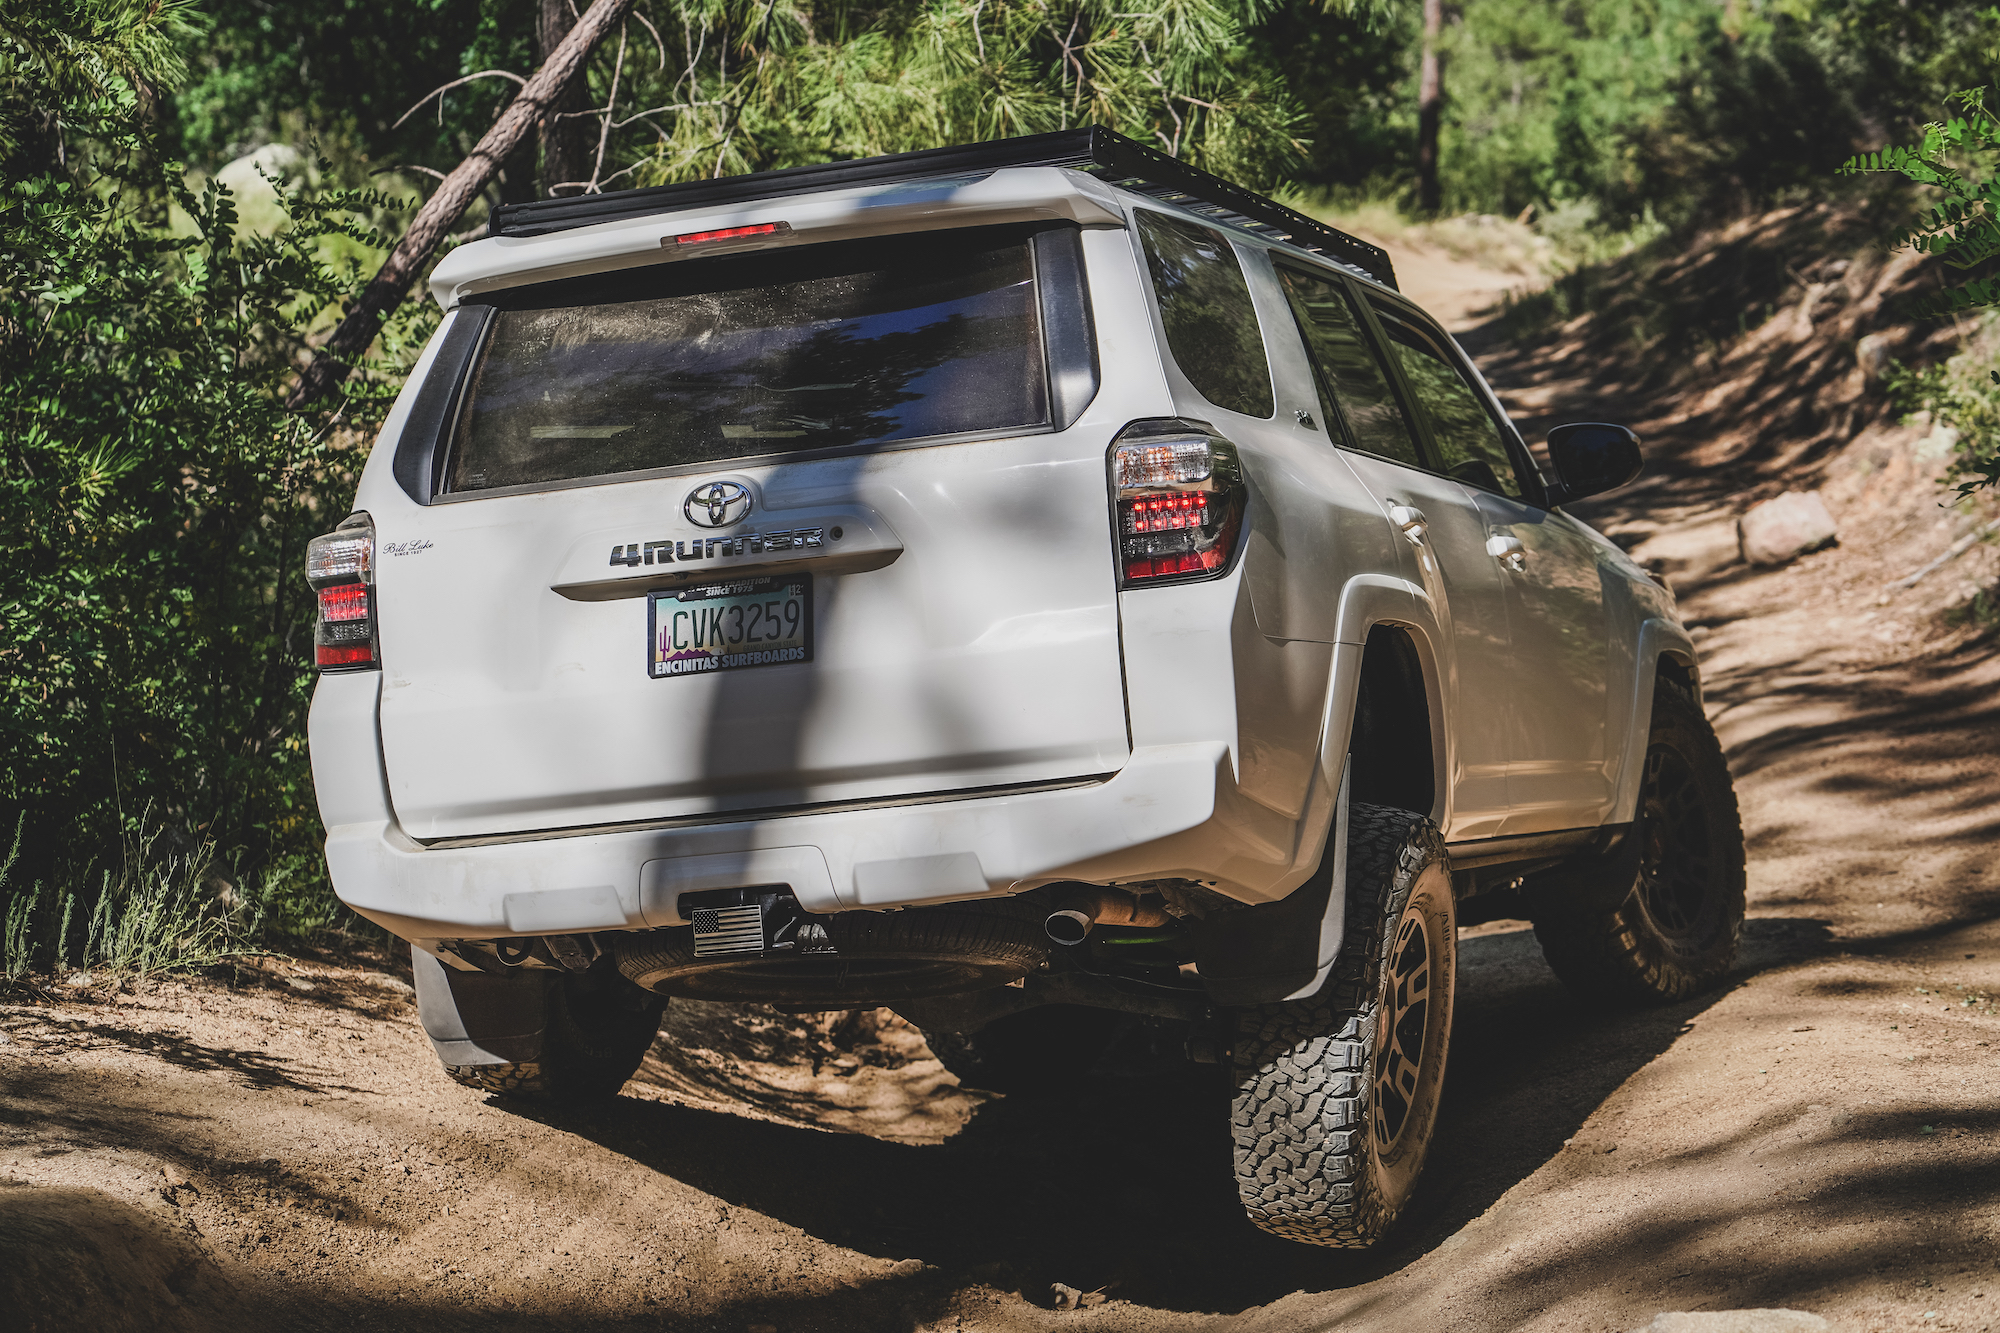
1068	926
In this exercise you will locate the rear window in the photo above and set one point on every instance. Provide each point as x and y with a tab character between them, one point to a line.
1205	308
701	361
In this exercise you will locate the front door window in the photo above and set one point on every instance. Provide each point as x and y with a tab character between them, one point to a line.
1470	446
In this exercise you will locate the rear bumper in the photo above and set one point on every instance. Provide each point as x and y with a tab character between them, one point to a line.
1173	811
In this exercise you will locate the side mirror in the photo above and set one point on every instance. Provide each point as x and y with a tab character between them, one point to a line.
1591	457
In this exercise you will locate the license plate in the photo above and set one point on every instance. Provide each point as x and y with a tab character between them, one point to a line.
722	626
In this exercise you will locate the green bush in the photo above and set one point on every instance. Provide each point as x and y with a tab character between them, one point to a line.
1963	397
155	501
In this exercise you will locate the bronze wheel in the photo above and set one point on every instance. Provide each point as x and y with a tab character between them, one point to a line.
1337	1096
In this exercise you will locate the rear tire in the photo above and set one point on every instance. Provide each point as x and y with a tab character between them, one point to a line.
1336	1097
1675	931
599	1030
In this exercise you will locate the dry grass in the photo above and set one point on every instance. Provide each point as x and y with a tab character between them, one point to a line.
155	912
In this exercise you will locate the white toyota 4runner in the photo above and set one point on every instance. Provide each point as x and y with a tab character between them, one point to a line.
1035	586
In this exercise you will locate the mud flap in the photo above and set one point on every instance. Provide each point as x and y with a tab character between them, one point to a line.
475	1018
1283	950
1595	881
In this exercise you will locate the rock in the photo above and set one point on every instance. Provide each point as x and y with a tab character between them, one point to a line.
1785	528
1065	1297
1738	1321
906	1268
1936	445
1873	354
1583	1145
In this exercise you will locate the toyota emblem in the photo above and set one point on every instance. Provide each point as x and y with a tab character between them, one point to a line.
717	504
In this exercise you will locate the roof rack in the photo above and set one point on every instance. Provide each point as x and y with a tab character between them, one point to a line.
1114	158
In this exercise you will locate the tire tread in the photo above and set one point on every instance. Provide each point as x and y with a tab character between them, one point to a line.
1608	955
1299	1116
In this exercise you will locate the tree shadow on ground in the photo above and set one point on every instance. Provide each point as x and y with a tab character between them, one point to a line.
1731	351
1128	1185
252	1068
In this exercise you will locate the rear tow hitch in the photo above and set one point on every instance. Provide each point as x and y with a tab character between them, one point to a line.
758	921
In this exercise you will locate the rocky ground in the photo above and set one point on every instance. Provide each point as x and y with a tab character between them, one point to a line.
277	1147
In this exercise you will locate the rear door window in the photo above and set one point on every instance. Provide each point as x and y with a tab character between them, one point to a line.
1469	442
1205	307
774	353
1334	336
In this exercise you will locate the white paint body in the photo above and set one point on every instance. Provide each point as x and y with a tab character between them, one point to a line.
985	712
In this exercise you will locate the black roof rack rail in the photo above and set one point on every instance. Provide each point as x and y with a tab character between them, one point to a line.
1092	148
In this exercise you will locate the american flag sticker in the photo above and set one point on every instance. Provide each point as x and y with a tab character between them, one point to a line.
728	930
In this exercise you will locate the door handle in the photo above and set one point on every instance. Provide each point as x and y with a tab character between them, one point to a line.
1410	520
1508	550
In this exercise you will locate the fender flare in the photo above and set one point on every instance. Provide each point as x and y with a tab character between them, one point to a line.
1658	637
1285	950
1368	601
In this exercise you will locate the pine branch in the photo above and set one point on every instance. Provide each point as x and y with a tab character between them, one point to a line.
357	331
442	89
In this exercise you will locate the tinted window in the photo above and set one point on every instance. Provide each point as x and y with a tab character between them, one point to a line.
1334	337
773	353
1468	438
1205	305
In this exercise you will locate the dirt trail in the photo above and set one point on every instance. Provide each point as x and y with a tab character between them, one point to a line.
1822	1134
1459	292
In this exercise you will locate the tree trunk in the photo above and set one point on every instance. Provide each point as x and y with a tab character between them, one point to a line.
1430	109
566	144
443	208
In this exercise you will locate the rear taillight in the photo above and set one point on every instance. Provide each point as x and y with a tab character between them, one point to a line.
341	568
1178	495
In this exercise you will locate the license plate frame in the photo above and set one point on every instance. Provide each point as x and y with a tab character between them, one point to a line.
694	617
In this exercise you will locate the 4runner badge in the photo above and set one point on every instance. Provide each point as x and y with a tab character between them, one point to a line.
633	554
718	504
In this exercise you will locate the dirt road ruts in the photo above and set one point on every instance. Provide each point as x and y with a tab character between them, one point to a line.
1823	1133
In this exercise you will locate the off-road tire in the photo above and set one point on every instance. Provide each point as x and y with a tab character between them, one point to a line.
1336	1096
1037	1050
1675	932
599	1030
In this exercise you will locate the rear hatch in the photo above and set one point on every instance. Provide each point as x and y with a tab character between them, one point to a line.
757	532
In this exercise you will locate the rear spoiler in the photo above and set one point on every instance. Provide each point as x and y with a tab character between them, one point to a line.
1111	157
